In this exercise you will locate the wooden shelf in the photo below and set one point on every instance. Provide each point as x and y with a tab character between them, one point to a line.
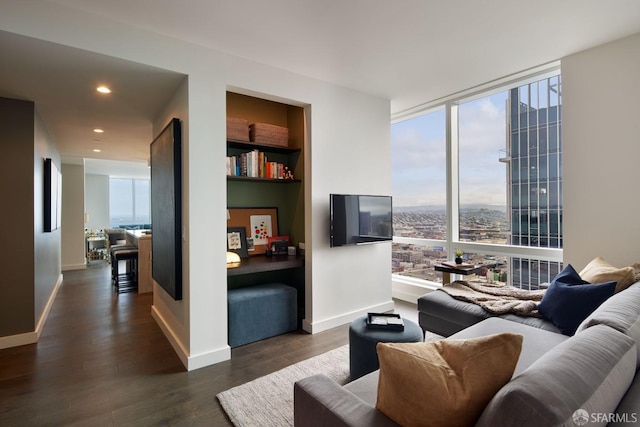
255	179
244	145
262	263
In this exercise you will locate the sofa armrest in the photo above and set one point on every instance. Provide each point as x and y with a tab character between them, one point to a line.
319	401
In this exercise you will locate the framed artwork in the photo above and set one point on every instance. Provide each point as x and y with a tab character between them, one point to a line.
237	241
52	196
259	225
166	209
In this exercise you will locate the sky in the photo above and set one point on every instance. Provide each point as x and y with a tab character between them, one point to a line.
419	155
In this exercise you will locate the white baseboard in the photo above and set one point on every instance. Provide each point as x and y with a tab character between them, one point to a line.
323	325
70	267
190	362
408	294
171	336
33	337
18	340
47	307
406	289
210	358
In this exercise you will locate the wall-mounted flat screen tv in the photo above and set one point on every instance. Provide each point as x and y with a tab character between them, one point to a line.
360	219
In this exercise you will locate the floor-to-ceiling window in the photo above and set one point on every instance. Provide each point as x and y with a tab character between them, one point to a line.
482	173
419	193
482	195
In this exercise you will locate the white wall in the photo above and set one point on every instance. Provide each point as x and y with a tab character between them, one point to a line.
344	125
73	256
96	201
349	157
601	134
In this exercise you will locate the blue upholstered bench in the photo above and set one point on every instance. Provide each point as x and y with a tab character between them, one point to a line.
261	311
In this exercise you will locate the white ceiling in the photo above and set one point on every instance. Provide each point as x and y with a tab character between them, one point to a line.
62	82
409	51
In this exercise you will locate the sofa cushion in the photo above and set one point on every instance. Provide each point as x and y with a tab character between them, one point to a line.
535	342
598	270
444	315
536	322
591	371
446	382
319	401
366	387
620	312
569	299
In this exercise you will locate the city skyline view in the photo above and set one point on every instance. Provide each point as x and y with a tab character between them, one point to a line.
506	168
419	155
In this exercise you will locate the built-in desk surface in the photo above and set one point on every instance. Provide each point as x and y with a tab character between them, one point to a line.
262	263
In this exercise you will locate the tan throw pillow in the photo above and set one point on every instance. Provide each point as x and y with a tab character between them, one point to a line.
447	382
600	271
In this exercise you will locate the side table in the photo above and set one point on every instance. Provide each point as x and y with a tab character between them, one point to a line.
447	270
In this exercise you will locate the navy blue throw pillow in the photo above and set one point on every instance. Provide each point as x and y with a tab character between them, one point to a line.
569	299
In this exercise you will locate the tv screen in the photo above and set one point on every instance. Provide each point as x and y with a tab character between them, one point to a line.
360	219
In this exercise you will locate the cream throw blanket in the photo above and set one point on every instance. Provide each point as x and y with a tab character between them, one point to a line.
496	298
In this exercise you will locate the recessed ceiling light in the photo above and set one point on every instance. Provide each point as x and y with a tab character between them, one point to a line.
103	89
98	130
96	150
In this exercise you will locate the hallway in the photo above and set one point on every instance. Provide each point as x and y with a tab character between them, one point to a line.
103	361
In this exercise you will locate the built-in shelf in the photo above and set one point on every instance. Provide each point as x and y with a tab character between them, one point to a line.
243	145
267	193
254	179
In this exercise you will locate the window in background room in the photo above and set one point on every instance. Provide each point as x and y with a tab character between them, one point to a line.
129	202
419	189
141	201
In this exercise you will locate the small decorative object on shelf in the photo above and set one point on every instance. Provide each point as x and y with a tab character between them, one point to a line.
288	174
385	321
459	253
95	254
277	245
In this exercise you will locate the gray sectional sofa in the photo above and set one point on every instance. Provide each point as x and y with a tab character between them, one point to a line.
440	313
557	379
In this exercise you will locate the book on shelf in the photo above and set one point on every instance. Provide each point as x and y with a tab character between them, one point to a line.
254	164
453	264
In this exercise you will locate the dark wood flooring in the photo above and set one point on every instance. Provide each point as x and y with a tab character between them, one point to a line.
103	361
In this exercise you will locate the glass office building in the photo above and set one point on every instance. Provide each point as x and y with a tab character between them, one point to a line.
534	156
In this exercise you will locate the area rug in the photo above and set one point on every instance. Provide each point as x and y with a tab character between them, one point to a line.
268	401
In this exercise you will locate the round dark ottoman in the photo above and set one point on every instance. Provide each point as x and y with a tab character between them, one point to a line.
363	357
